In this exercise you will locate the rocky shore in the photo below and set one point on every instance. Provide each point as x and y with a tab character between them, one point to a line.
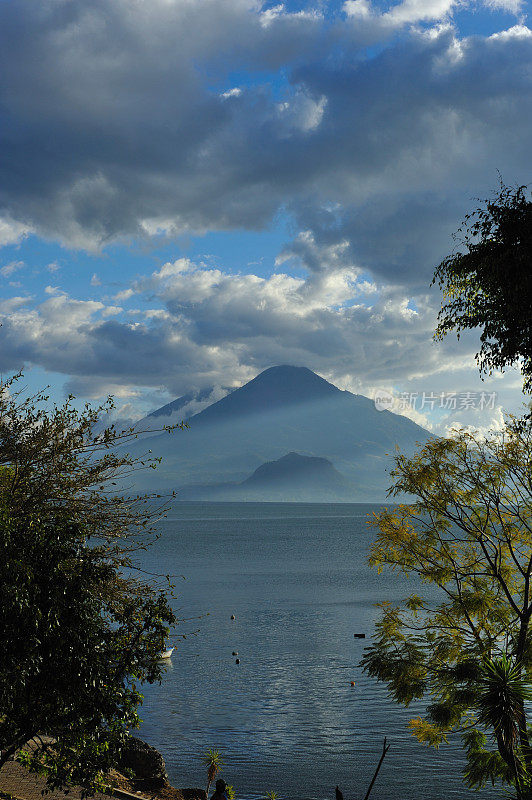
141	773
141	770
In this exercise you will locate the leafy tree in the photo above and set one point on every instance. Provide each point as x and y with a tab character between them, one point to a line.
80	627
487	283
464	644
214	762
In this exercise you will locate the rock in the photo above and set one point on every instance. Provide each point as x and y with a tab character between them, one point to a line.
194	794
144	760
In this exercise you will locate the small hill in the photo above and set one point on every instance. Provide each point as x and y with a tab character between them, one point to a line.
298	477
293	477
294	468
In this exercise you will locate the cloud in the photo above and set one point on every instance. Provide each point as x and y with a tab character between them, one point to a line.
511	6
371	131
515	32
104	139
195	326
416	10
8	269
358	8
11	232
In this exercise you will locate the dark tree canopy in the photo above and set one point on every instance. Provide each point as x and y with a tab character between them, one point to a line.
81	628
487	282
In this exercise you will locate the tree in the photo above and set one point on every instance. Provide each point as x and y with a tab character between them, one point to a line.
213	761
487	283
80	627
464	643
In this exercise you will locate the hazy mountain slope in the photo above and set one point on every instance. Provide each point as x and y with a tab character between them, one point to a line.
181	403
284	409
298	477
294	477
275	388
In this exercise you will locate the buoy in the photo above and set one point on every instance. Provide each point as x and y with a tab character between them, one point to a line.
235	652
237	661
233	616
352	683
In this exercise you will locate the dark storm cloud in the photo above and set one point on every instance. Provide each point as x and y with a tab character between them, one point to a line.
118	119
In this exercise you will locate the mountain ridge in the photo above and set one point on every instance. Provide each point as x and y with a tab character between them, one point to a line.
283	409
274	387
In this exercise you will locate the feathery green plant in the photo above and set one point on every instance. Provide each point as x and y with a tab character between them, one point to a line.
213	762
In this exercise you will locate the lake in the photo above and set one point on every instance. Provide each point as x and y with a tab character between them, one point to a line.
286	719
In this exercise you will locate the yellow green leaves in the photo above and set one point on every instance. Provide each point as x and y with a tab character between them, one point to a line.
426	733
467	533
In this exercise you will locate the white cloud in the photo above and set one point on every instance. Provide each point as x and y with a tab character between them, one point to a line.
8	269
483	423
213	327
12	231
124	294
95	281
410	11
515	32
358	8
197	326
370	134
234	92
511	6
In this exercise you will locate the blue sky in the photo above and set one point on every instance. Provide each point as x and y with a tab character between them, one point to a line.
195	190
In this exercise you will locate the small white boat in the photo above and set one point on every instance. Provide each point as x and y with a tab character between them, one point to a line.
167	653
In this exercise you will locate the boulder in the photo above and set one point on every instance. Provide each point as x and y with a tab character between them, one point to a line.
144	761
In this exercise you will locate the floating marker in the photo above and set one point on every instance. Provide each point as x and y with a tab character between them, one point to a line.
352	683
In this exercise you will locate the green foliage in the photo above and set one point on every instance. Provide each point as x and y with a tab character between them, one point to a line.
213	761
487	284
482	764
80	630
468	534
230	792
271	795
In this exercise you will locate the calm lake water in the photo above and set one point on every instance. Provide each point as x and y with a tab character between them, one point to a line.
286	719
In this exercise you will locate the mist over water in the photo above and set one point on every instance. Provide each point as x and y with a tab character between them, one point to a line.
286	718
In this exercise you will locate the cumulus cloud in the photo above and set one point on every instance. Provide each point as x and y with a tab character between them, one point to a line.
371	131
195	326
12	231
123	120
416	10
